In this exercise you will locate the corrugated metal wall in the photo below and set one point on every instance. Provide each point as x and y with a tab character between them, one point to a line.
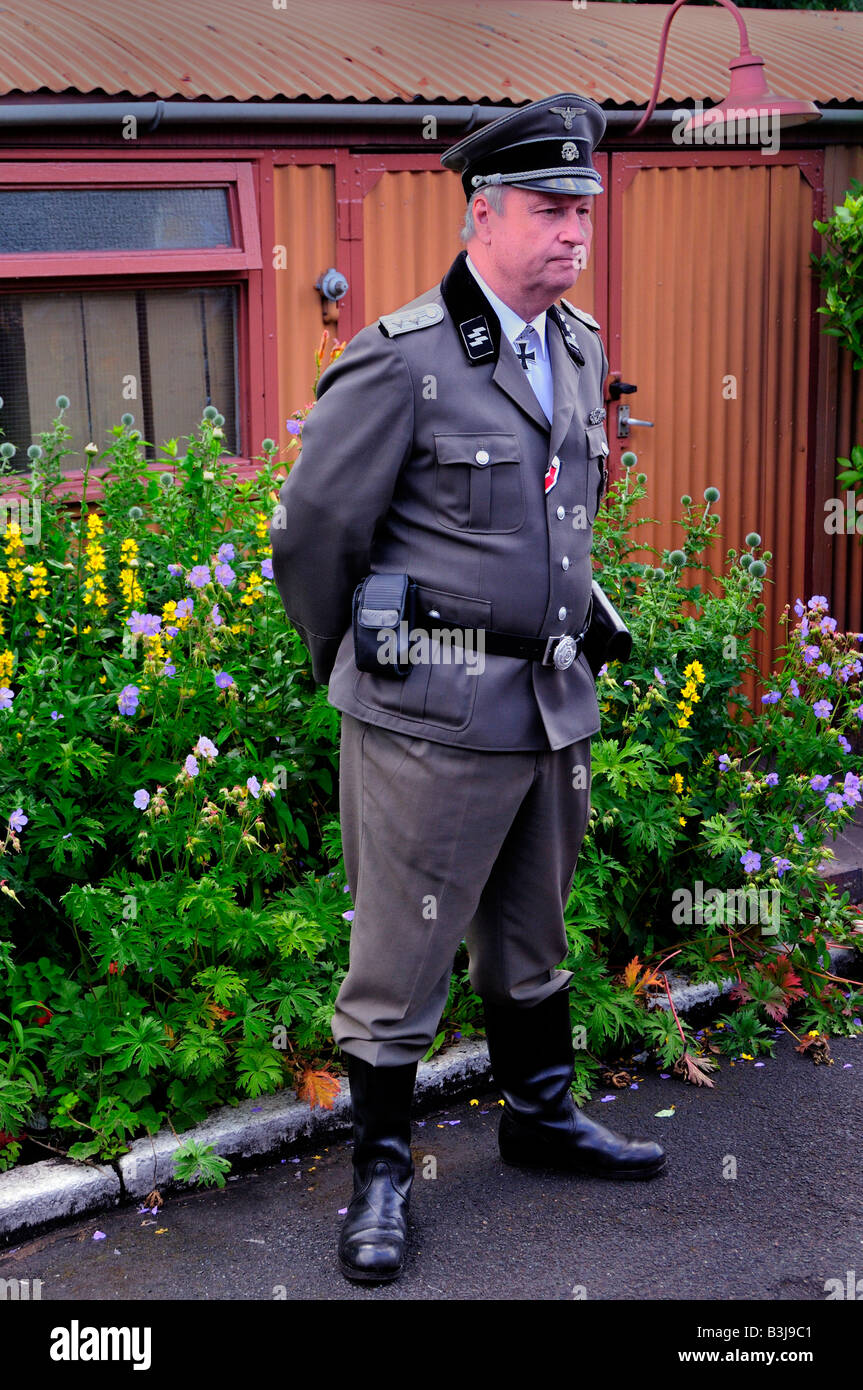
305	224
715	283
411	225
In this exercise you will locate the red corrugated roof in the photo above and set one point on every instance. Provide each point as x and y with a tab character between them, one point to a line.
409	50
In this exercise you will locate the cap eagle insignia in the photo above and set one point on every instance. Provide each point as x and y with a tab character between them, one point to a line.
568	114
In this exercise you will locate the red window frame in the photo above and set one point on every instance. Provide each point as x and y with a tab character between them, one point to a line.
238	265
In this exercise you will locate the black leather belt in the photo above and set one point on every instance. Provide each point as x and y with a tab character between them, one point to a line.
559	651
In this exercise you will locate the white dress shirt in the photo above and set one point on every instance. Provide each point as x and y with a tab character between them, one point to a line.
513	328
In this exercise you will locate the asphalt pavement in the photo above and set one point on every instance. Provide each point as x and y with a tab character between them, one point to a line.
761	1200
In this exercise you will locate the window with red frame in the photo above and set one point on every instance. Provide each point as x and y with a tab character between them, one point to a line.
126	298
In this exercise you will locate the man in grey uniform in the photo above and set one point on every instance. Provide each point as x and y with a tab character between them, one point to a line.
460	441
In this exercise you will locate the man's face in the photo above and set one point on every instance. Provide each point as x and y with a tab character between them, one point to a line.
538	245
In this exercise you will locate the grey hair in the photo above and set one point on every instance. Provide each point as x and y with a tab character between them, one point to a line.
493	192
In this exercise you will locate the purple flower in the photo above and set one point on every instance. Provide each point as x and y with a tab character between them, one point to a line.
185	608
843	743
254	786
267	568
6	697
175	569
198	576
659	676
146	623
851	790
794	688
828	624
798	607
18	820
141	799
206	748
804	627
824	669
810	653
349	915
821	709
798	833
127	700
771	697
191	766
172	631
834	801
818	601
780	864
169	669
293	426
223	680
772	779
55	715
751	861
820	782
224	575
216	616
225	552
858	711
724	762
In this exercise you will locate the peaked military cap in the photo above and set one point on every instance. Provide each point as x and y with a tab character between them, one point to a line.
547	145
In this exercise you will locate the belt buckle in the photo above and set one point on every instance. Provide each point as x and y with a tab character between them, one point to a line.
560	652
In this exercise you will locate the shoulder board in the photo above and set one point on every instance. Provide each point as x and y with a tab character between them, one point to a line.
580	314
409	320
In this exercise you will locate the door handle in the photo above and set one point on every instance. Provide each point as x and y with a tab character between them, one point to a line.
624	420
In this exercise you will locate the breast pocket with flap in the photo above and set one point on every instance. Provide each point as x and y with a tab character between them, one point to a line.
479	485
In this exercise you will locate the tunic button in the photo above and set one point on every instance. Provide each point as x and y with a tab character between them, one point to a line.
561	513
564	564
561	613
482	456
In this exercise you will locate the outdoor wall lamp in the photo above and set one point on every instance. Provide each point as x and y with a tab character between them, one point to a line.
748	94
331	286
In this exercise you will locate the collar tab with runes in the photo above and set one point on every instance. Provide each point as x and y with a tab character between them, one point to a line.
477	323
567	334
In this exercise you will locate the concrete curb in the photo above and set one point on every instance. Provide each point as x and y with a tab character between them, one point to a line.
40	1195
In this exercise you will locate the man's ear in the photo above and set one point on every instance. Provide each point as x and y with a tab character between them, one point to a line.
482	212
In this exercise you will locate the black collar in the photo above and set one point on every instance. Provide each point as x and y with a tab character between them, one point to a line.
479	325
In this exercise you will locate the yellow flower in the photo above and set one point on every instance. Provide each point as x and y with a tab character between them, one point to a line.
746	1057
102	680
683	723
695	669
130	588
676	782
682	820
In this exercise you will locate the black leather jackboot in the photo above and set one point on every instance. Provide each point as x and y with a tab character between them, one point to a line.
541	1126
373	1236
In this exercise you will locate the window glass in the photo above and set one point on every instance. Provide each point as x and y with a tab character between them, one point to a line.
113	219
161	354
